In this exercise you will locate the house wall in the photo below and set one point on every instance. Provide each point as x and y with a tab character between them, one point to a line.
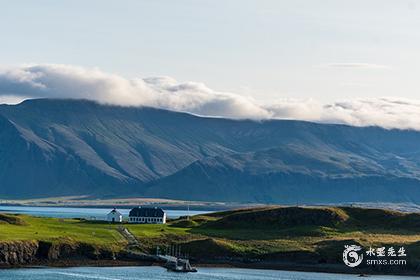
117	218
147	220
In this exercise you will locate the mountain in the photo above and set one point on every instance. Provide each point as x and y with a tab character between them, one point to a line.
77	147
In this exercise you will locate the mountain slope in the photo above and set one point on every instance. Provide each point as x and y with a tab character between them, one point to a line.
284	176
67	147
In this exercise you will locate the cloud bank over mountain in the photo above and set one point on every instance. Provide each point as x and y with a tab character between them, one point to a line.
66	81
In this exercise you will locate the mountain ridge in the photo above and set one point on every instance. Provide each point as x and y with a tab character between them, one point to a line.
68	147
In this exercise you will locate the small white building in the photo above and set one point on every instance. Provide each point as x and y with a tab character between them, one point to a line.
114	216
147	215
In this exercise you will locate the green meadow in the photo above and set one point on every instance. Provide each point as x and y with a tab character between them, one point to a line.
251	233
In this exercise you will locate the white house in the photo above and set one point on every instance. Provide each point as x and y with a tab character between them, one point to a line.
147	215
114	216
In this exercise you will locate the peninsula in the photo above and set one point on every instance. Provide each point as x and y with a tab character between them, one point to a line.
296	238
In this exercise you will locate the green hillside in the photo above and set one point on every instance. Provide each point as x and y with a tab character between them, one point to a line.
262	232
299	235
28	228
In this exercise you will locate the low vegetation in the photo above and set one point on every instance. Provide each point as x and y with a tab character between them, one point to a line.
11	220
277	231
23	227
258	233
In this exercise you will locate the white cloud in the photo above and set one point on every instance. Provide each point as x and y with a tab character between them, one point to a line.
6	99
390	112
64	81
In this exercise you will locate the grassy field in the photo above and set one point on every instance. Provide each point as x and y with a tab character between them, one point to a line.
58	230
250	233
256	233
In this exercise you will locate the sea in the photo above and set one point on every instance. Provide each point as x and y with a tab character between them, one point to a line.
83	212
158	273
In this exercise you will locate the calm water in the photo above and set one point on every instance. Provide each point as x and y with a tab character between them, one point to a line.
157	273
87	213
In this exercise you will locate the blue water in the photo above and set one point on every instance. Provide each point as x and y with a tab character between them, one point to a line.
157	273
78	212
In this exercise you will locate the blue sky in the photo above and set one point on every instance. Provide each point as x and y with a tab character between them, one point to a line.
325	50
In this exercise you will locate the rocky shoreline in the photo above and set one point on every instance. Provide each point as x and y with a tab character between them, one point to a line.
24	254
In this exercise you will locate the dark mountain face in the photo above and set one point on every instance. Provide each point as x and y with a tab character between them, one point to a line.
76	147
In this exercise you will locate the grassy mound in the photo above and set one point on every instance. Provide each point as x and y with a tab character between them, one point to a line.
209	248
380	218
183	223
11	220
221	214
332	250
280	217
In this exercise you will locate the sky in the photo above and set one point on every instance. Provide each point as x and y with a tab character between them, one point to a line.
268	59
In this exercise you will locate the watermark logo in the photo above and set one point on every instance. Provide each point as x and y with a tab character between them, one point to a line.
352	256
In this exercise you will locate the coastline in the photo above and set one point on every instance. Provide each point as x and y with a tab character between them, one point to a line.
79	243
123	203
280	266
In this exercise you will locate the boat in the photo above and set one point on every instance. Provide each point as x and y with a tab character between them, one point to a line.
180	265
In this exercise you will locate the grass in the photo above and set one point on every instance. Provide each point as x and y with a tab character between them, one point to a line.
11	219
55	230
245	233
272	230
154	231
